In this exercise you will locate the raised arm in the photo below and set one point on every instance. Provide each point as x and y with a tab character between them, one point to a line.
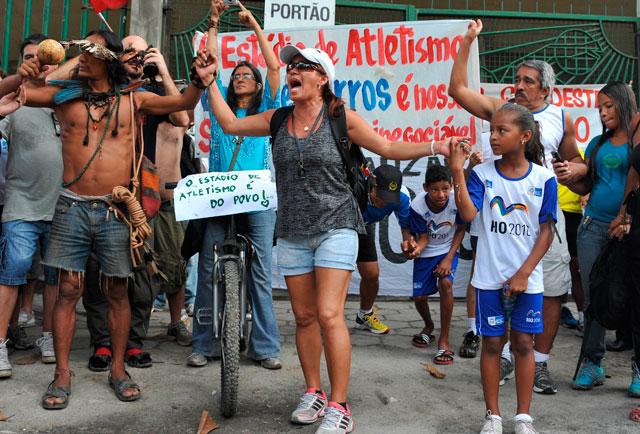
361	133
474	102
257	125
206	68
270	58
217	7
178	118
466	208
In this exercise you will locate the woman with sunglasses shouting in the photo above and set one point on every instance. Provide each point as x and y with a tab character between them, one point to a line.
318	220
246	96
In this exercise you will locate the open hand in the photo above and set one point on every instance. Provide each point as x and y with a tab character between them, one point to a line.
12	101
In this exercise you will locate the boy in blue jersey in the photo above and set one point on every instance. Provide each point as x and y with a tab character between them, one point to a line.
434	217
388	196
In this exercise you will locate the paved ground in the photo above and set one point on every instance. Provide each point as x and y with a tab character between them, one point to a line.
390	392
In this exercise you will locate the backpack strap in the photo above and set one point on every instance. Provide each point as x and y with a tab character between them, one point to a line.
278	118
339	130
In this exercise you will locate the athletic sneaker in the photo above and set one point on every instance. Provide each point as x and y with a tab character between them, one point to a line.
18	337
525	427
5	366
180	332
372	323
542	381
197	360
506	370
590	375
567	319
492	425
311	406
470	345
337	420
26	320
47	352
634	388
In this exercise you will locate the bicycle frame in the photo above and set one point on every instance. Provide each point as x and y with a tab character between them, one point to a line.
235	247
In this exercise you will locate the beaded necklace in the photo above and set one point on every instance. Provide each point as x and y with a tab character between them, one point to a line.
117	104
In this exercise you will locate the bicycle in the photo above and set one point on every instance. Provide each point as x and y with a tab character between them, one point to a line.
229	318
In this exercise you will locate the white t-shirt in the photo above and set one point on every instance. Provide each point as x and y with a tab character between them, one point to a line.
510	212
551	121
440	225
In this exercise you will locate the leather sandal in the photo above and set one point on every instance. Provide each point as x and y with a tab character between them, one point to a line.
60	392
120	385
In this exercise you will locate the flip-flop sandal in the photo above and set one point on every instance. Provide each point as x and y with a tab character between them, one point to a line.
139	360
635	414
120	385
422	340
443	357
60	392
100	360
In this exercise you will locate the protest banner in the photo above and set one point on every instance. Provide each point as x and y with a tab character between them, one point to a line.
285	14
577	100
395	75
223	193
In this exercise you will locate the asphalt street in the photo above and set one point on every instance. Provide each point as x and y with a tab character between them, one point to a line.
390	391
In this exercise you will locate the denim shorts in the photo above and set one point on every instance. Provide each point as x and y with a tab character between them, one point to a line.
80	224
491	319
18	244
337	248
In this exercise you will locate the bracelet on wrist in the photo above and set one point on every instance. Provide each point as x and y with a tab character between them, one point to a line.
213	24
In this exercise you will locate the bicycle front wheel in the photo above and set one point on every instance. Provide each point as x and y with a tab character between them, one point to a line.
230	340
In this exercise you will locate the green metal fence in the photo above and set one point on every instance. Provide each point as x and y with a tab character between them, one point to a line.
583	48
59	19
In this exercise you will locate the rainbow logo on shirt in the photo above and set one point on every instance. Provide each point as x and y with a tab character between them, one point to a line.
433	227
506	210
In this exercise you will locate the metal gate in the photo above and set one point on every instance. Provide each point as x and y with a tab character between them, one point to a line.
583	48
59	19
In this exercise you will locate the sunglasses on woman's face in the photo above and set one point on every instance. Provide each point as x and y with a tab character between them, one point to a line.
303	66
246	76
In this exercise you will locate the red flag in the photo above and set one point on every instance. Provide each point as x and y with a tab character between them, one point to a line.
100	5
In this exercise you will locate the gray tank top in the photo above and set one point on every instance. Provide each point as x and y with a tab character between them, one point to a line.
320	199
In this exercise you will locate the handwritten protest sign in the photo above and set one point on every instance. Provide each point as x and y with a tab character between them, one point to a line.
223	193
577	100
396	75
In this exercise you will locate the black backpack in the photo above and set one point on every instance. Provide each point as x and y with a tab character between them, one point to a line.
358	168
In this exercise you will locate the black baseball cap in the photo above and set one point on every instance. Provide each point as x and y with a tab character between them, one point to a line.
388	183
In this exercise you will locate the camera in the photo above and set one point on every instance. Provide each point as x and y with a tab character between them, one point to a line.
230	2
149	69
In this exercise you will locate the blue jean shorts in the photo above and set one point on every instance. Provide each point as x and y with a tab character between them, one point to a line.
18	244
491	319
80	224
337	248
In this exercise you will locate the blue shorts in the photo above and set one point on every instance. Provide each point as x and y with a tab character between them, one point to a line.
425	282
79	225
337	248
18	244
526	316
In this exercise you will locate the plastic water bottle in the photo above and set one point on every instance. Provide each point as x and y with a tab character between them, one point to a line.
508	303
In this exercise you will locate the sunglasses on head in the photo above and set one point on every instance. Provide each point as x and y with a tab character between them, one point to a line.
303	66
246	76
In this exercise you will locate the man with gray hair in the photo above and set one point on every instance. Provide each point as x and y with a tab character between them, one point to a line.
534	80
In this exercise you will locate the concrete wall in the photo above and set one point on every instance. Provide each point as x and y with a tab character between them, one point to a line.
146	20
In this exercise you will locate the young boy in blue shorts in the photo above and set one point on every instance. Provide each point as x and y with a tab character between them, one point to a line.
434	217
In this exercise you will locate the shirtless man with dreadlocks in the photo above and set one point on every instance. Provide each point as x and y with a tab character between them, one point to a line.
96	132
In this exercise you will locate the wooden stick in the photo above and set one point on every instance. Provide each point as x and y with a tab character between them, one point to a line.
104	21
